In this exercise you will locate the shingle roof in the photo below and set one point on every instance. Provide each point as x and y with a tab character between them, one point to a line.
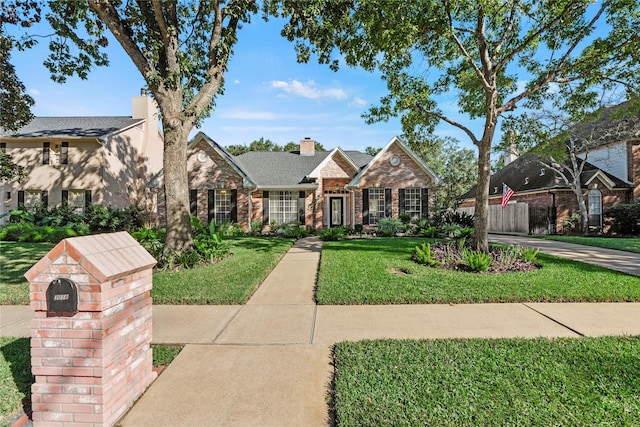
287	169
608	128
529	173
70	127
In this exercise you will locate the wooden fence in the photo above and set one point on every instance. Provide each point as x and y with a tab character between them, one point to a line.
514	218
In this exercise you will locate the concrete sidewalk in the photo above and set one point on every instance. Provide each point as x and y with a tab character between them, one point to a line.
268	362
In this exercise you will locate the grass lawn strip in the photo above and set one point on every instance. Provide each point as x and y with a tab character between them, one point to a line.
230	281
380	271
622	244
516	382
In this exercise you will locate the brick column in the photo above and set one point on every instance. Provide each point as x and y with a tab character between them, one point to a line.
91	365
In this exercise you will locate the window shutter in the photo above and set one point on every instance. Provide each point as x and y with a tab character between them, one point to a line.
87	198
234	205
3	147
365	206
211	205
44	198
20	198
424	201
45	153
265	207
64	153
65	197
387	202
193	202
301	196
401	207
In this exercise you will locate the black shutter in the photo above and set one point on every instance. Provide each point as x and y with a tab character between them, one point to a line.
193	202
365	206
424	200
87	198
20	198
65	197
44	198
45	153
64	153
3	147
211	205
387	202
401	207
234	205
301	196
265	207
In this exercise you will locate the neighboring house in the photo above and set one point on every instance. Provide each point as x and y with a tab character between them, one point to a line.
542	200
315	189
82	160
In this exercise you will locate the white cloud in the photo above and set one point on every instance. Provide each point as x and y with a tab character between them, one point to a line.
308	90
236	81
357	103
35	92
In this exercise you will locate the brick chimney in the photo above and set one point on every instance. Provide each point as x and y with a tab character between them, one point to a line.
307	147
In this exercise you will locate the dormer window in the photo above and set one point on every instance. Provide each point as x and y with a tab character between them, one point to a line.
542	172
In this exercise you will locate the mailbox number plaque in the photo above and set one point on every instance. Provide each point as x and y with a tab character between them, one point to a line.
62	296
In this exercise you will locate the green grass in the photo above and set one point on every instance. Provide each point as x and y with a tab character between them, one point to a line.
163	355
15	377
380	271
630	244
231	281
515	382
15	260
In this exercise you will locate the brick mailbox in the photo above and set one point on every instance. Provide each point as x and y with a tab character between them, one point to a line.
91	334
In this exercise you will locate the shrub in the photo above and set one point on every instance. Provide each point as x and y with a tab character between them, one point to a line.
451	230
477	260
332	234
389	227
207	242
571	222
152	239
625	218
423	255
462	219
256	227
404	217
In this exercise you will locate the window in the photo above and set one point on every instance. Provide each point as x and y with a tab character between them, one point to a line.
193	202
222	206
46	148
376	205
283	206
413	202
77	201
595	208
32	199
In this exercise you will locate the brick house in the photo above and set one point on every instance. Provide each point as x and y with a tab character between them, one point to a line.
547	199
316	189
82	160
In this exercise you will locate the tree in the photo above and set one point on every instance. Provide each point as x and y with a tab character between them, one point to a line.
268	145
8	169
563	143
15	103
492	56
372	151
181	49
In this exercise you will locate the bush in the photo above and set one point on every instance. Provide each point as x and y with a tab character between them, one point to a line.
332	234
451	230
423	255
152	239
389	227
624	219
462	219
256	227
478	260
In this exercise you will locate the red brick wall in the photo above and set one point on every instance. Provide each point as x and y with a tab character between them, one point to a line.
92	365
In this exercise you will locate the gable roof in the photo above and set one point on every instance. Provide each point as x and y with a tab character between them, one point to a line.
355	182
529	174
336	151
202	137
72	127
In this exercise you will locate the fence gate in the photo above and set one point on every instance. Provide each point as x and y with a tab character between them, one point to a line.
542	220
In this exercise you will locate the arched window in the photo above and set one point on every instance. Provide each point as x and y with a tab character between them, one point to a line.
595	208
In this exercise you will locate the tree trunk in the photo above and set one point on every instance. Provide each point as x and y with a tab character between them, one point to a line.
481	215
582	206
176	186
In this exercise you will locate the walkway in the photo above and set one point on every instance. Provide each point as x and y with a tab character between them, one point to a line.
268	362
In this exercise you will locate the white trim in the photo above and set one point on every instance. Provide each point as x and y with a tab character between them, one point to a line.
316	172
604	178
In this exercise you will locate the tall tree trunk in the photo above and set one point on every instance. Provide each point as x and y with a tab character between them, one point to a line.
481	215
176	185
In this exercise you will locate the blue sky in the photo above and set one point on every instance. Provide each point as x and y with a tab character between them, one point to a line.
267	94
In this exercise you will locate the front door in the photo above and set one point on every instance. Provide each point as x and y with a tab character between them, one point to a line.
336	207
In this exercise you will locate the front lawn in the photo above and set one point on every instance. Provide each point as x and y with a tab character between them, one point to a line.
630	244
380	271
15	259
500	382
230	281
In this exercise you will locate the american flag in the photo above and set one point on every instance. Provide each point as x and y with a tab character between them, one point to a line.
507	193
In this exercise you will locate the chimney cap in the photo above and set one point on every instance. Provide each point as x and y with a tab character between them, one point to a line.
143	92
